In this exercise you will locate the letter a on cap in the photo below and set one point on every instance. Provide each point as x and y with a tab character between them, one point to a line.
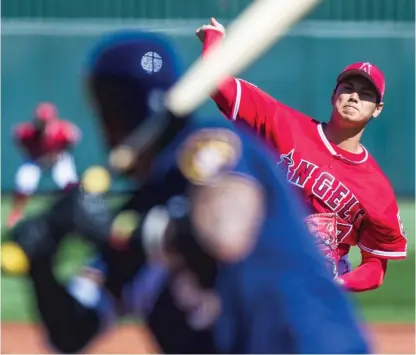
366	67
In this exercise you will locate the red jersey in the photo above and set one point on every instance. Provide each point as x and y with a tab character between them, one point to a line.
330	179
57	136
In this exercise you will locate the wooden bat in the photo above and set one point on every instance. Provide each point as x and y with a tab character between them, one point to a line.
251	34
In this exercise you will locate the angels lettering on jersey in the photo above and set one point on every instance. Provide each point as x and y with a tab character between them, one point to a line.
326	189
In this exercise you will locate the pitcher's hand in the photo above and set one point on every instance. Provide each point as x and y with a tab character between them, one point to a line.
214	25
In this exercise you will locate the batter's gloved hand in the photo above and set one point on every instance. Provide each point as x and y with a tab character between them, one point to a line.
82	210
38	238
323	226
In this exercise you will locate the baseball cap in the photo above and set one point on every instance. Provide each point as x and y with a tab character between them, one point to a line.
45	111
367	70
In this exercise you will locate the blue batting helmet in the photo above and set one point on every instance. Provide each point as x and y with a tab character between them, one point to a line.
128	74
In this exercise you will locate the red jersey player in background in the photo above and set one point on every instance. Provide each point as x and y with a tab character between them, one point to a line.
45	143
327	163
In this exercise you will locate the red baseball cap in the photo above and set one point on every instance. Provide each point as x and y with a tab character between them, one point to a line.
367	70
46	111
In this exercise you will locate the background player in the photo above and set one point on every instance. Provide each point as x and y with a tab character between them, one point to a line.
242	270
45	143
327	163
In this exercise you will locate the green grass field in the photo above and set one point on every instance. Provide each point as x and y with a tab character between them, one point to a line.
393	302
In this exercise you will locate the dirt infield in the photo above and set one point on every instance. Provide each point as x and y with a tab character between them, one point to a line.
26	339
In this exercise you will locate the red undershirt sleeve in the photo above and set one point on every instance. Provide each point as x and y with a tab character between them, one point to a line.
368	276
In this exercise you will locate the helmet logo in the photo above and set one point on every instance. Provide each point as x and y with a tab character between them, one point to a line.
151	62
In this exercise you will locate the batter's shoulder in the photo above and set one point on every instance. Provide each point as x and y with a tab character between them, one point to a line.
207	150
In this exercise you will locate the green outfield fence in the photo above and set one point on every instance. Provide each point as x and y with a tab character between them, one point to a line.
44	46
351	10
